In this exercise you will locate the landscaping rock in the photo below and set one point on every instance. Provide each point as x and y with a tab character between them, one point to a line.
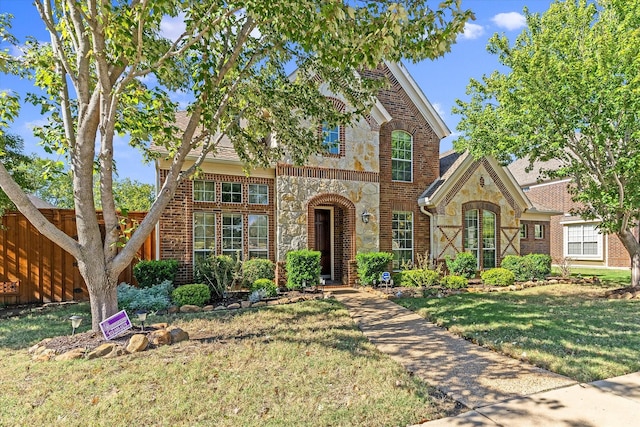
101	351
173	309
220	307
245	304
137	343
234	306
207	308
177	335
188	308
160	337
41	345
76	353
293	300
627	295
162	325
116	352
259	304
44	355
553	282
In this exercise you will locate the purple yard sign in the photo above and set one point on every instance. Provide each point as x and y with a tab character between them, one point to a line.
115	325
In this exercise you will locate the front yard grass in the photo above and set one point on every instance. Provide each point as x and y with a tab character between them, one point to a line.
290	365
568	329
610	276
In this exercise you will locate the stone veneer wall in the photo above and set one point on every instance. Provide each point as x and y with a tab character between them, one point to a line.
481	186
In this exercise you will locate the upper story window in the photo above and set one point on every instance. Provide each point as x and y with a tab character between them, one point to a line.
331	139
204	191
231	192
401	156
258	194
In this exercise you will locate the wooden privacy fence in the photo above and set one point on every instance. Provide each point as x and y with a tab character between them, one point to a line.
44	271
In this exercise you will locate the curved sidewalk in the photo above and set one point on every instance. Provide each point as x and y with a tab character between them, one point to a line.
499	389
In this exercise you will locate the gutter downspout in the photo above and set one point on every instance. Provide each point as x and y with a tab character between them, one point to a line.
431	230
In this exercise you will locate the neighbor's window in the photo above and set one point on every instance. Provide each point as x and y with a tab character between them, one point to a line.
231	192
331	139
402	232
523	231
401	156
538	231
204	191
204	235
258	229
583	241
232	235
258	194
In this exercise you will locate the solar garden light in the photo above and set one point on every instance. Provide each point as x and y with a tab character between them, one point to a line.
142	316
75	323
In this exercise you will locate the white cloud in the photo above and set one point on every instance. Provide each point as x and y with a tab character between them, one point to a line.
472	31
172	27
510	21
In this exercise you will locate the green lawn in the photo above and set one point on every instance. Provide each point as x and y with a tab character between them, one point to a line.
568	329
291	365
617	277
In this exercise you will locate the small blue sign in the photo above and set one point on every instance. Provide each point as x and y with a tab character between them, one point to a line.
386	276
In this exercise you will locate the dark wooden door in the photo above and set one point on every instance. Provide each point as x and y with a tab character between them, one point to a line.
323	239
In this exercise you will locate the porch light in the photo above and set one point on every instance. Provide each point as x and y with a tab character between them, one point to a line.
365	216
142	316
75	323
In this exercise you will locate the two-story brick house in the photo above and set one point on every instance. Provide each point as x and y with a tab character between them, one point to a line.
372	190
572	238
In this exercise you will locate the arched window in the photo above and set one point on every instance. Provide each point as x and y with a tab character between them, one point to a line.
401	156
480	236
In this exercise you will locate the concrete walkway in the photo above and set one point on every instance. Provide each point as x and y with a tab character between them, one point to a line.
499	390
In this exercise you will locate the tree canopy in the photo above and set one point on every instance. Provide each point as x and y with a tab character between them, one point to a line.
571	93
108	69
14	159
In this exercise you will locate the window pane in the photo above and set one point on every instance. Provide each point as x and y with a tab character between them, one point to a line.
231	192
204	235
258	236
204	191
402	234
232	235
258	194
401	156
331	139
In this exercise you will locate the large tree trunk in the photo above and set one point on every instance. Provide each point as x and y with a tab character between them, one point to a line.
631	244
103	298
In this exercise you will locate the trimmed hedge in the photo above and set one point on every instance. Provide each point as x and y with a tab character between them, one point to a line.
154	272
303	266
193	294
268	285
454	282
464	264
255	269
498	277
371	265
528	267
416	278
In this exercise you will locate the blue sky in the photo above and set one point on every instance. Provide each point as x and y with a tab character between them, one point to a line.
443	80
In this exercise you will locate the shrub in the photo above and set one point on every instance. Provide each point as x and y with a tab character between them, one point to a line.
154	298
418	277
539	265
498	277
516	264
371	265
269	286
528	267
255	269
153	272
454	282
464	264
217	272
303	266
193	294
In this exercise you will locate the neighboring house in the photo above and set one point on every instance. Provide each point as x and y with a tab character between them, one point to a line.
574	239
365	193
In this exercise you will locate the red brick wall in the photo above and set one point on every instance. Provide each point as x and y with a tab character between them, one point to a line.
531	245
403	196
176	224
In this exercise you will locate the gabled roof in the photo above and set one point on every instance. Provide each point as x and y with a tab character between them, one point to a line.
418	97
525	176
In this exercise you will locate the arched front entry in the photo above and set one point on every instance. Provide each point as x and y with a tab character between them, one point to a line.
331	231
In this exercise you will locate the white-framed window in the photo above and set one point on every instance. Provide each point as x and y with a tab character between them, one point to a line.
582	241
402	235
258	194
401	156
331	139
258	229
232	235
204	235
204	191
231	192
480	236
538	231
523	231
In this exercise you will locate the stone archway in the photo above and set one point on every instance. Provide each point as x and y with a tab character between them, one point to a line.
331	229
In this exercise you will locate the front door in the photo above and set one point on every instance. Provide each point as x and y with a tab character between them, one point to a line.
323	240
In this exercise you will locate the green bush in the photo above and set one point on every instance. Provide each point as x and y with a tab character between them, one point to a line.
371	265
454	282
418	278
154	298
464	264
217	272
303	266
268	285
153	272
498	277
193	294
528	267
255	269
